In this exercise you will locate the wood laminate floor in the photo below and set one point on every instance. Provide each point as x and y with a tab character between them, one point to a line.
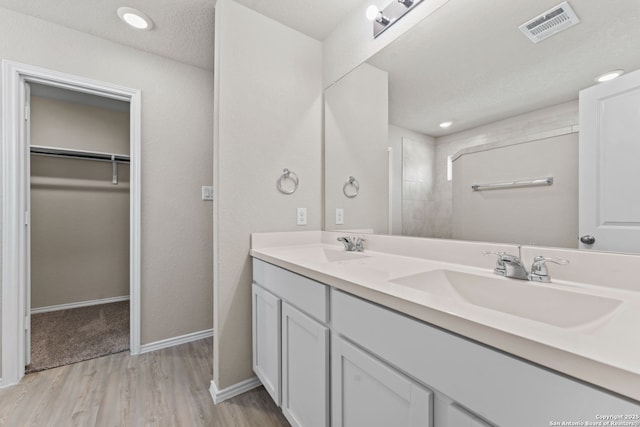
168	387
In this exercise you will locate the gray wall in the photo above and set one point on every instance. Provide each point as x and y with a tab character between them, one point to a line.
350	43
79	219
177	111
541	215
525	127
356	141
268	114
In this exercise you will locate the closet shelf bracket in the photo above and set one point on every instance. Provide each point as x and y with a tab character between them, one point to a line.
114	166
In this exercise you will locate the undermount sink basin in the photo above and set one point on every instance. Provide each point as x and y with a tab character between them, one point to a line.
529	300
326	255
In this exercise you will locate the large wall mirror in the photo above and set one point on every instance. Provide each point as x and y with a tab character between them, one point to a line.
391	168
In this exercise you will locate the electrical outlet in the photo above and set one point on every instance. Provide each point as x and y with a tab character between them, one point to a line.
339	216
207	192
301	216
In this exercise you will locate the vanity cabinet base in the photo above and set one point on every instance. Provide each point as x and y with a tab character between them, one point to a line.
330	358
497	387
291	343
367	392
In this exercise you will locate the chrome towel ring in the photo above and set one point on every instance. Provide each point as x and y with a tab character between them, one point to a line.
354	185
287	175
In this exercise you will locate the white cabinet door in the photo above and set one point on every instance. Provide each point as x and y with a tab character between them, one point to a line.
305	369
266	315
609	176
366	392
458	417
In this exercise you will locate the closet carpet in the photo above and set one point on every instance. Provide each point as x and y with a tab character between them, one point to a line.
68	336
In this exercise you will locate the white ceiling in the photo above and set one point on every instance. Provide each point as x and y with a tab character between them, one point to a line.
315	18
183	29
469	63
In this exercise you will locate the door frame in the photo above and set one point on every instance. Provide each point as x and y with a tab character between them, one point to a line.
15	190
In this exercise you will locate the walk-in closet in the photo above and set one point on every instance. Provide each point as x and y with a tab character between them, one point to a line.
79	226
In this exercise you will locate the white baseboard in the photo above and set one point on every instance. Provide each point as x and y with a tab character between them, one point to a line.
3	384
234	390
172	342
79	304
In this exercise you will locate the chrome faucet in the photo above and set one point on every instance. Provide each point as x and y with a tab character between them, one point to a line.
509	266
353	244
539	270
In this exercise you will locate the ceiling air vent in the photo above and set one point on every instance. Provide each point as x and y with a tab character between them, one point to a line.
550	22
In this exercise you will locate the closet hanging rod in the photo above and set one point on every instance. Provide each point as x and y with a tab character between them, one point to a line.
78	154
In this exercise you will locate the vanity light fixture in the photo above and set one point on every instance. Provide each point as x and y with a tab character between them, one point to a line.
373	14
446	124
135	18
382	19
610	75
388	16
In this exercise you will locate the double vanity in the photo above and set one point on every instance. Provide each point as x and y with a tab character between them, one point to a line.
421	332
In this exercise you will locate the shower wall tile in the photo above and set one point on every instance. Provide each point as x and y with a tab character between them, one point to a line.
417	187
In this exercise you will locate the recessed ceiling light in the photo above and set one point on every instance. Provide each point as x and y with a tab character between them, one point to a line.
445	125
609	76
135	18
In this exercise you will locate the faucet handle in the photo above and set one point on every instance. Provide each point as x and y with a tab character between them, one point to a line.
499	254
553	260
359	244
353	243
500	268
539	270
347	242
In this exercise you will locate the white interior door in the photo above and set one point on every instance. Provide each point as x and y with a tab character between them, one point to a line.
609	175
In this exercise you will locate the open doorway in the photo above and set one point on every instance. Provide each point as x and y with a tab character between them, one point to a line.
79	226
16	219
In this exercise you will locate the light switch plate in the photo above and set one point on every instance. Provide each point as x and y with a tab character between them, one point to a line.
301	216
339	216
207	192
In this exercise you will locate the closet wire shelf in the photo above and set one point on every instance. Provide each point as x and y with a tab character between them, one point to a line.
83	155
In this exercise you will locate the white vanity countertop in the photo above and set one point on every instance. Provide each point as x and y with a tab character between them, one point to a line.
604	352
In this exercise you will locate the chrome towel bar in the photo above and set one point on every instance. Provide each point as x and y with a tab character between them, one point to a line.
510	184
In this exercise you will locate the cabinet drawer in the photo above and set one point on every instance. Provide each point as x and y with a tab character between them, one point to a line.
479	378
305	294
